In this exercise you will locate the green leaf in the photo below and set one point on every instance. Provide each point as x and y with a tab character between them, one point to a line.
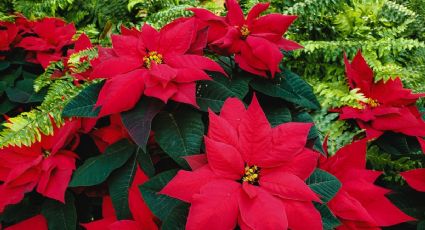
290	87
60	216
176	220
145	162
23	92
95	170
394	143
83	104
161	205
330	221
179	133
6	106
119	185
138	121
276	114
212	94
4	65
324	184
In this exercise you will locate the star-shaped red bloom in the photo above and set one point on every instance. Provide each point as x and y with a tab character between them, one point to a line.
256	41
254	177
389	106
47	165
47	39
164	64
359	204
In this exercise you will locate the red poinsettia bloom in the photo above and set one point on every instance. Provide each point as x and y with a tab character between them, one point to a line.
255	175
416	177
255	41
389	106
143	217
359	204
47	165
37	222
47	39
8	32
150	62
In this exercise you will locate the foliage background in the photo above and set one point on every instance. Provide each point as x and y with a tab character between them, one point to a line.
391	35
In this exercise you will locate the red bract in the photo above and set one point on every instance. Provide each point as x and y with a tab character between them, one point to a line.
359	204
153	63
255	41
143	217
8	32
47	39
389	106
254	176
110	134
37	222
46	165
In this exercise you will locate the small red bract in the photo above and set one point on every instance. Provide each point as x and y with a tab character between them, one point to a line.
359	204
255	175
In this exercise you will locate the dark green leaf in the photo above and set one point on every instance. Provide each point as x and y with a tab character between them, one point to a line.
393	143
60	216
119	185
324	184
161	205
277	114
330	221
95	170
179	133
145	162
4	65
138	121
23	92
6	106
83	104
289	87
212	94
176	220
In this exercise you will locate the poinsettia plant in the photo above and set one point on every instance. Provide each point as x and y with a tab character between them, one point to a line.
196	125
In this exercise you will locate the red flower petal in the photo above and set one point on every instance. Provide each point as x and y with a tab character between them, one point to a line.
254	135
196	161
114	66
193	61
127	46
234	13
262	212
286	186
121	93
185	184
302	215
224	159
221	130
150	37
273	23
216	205
256	11
177	38
415	178
186	94
266	51
233	111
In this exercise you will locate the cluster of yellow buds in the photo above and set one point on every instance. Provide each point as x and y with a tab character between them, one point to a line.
251	174
244	31
372	102
152	56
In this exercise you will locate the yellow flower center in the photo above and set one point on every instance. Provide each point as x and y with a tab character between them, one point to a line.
372	102
46	153
244	31
152	56
251	174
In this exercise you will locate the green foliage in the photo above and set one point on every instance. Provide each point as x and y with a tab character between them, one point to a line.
172	212
27	127
60	216
95	170
323	184
179	133
83	104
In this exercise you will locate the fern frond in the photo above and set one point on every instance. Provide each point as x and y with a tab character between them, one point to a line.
27	128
